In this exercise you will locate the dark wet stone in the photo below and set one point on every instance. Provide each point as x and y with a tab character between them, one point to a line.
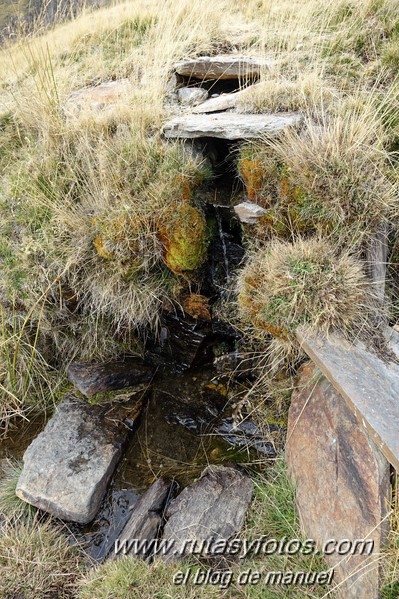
246	434
145	518
92	378
181	341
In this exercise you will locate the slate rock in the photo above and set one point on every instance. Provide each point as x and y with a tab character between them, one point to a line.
145	518
221	67
68	466
342	482
229	125
92	378
212	507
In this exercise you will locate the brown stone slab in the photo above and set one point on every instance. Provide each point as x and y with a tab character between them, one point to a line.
221	67
369	385
342	484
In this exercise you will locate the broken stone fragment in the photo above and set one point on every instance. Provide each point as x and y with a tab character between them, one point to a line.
229	125
218	104
191	96
93	378
248	212
212	507
145	519
342	484
221	67
98	97
68	466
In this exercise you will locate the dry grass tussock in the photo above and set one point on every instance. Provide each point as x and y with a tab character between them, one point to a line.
304	283
37	560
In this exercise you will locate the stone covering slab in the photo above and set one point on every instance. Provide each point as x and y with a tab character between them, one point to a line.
221	67
229	125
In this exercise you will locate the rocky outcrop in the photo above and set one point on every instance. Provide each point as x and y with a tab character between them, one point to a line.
212	507
221	67
228	125
68	466
93	378
342	483
98	97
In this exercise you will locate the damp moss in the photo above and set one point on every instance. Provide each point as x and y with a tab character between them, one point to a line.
184	235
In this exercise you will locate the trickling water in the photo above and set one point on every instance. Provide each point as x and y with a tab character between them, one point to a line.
223	243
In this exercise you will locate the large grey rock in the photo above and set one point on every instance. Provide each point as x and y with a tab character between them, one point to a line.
92	378
248	212
221	67
229	125
145	520
342	483
212	507
67	467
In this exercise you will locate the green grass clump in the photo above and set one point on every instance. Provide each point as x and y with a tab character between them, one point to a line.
12	508
130	578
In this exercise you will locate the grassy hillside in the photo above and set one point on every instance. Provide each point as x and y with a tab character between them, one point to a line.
102	224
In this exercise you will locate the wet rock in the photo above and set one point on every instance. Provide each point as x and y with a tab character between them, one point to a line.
246	434
342	482
68	466
181	341
229	125
98	97
212	507
108	524
93	378
218	104
248	212
221	67
145	519
191	96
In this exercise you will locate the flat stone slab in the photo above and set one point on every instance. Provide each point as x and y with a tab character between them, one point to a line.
229	125
212	507
342	484
92	378
369	384
221	67
68	466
